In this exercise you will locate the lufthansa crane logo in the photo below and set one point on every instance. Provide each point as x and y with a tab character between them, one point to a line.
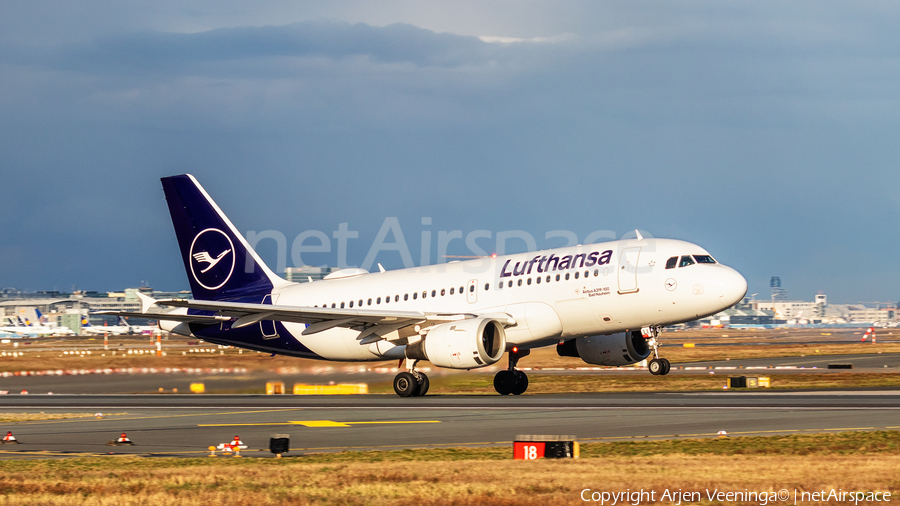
212	258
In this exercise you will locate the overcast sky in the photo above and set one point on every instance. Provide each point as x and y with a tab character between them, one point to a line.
766	132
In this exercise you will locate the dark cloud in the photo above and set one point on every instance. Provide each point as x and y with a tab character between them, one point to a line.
759	131
159	51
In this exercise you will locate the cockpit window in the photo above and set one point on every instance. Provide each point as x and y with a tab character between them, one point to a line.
704	259
685	261
671	263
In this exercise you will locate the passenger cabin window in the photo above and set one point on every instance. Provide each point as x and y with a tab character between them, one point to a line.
378	300
704	259
452	290
434	293
351	303
529	281
415	295
487	286
685	261
576	275
360	303
443	292
370	302
672	263
461	290
520	281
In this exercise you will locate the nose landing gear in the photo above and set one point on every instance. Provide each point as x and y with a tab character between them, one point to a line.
511	380
658	366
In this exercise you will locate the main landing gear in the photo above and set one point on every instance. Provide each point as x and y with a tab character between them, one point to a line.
658	366
412	383
510	380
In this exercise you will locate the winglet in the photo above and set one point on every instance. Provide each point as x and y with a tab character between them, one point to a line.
146	302
638	234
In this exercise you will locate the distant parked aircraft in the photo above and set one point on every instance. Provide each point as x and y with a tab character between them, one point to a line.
26	328
123	328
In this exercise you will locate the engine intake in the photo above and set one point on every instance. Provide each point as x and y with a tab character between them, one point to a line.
612	350
464	344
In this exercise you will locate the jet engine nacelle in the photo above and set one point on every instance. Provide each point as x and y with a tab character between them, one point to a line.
612	350
463	344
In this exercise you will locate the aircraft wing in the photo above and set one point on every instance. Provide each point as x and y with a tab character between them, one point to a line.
373	324
187	318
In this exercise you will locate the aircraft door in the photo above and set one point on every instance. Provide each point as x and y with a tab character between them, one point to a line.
472	291
268	326
627	271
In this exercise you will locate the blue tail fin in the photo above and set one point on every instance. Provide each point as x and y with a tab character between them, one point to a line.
220	264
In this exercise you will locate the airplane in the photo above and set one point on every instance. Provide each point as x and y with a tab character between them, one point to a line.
113	330
605	303
24	327
139	329
122	328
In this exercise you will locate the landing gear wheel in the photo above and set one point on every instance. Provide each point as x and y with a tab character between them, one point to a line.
666	366
423	385
656	367
505	382
521	383
405	385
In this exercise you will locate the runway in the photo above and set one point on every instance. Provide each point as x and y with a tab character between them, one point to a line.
185	425
254	381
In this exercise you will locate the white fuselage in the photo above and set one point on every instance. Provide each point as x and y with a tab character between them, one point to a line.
626	287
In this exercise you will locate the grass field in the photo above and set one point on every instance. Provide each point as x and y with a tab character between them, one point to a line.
48	353
864	461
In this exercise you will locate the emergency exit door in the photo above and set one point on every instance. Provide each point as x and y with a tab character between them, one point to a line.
628	263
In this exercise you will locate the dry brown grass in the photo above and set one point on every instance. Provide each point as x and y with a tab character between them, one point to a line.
759	344
474	476
676	353
47	354
489	483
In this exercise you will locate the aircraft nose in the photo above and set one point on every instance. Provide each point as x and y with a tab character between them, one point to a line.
732	287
